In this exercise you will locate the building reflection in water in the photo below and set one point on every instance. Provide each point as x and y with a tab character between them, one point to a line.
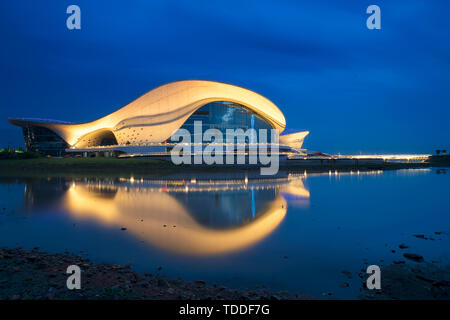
188	217
192	217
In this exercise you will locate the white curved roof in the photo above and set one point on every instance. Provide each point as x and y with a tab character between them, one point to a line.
154	116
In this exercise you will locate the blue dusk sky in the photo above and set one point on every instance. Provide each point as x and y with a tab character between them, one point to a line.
355	89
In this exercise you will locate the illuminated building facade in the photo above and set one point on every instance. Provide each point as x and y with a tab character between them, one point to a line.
146	125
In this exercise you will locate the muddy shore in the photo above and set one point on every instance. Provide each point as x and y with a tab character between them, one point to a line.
26	274
35	275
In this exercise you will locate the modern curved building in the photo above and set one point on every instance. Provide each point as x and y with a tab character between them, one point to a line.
149	121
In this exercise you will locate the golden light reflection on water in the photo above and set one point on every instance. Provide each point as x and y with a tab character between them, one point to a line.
175	215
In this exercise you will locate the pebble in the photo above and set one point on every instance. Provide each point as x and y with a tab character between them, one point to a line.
414	257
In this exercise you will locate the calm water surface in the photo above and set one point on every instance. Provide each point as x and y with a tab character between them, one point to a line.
297	232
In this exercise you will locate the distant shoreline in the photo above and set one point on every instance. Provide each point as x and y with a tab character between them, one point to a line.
155	166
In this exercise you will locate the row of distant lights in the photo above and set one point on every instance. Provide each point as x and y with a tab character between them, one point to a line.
351	172
389	156
230	185
290	177
203	182
195	189
168	144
